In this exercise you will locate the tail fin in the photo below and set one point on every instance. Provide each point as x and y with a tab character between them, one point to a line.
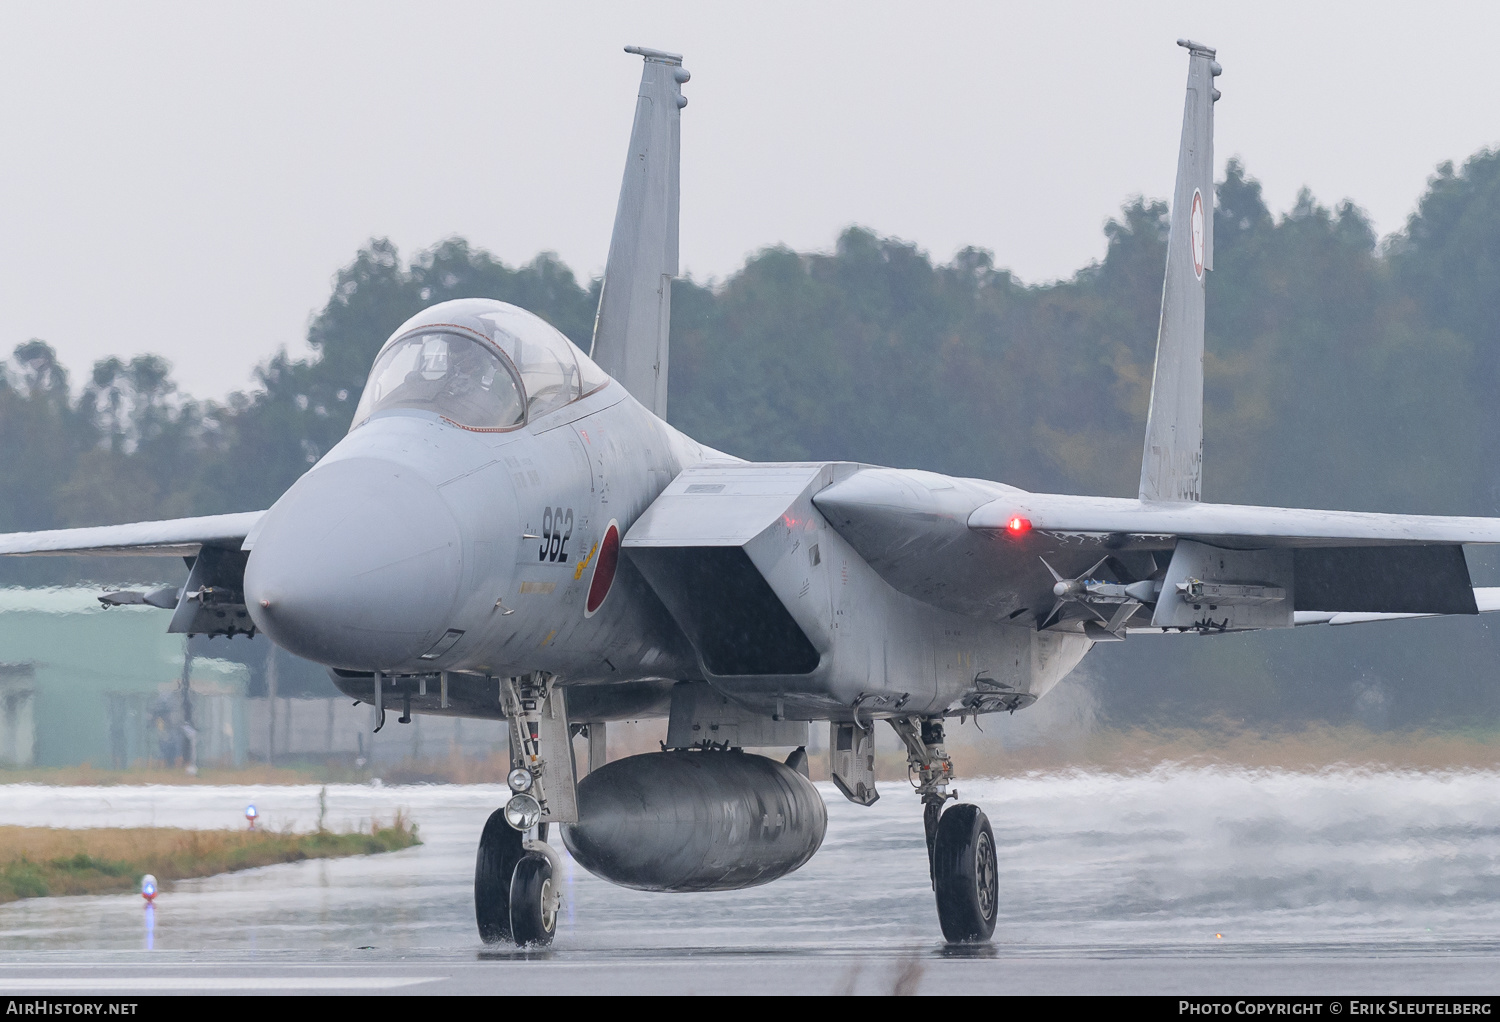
635	306
1172	468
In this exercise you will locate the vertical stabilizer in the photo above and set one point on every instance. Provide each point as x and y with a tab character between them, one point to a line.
635	307
1172	468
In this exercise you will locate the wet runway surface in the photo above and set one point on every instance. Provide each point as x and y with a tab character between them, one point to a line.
1176	881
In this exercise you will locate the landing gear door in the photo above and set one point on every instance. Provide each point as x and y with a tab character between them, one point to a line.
851	749
1209	589
540	742
559	776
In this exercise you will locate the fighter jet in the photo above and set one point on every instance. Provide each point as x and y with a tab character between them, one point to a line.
511	530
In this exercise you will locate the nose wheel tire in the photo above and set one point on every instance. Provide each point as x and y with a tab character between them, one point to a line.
965	875
533	904
500	852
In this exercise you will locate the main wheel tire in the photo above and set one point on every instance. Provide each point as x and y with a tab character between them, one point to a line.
533	910
499	852
966	875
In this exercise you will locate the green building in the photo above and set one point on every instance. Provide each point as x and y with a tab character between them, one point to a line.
80	683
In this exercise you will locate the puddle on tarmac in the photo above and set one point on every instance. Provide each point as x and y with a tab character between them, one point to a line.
1338	859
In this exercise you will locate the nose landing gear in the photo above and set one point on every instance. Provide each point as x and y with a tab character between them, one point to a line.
516	896
533	902
499	852
960	844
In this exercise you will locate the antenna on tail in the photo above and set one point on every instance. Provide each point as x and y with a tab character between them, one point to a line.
1172	466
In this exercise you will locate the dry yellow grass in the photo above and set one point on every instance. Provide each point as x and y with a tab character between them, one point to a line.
1309	749
39	861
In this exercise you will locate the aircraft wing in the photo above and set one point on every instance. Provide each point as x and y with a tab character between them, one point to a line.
992	551
177	537
1228	524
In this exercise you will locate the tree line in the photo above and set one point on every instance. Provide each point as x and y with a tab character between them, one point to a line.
1342	370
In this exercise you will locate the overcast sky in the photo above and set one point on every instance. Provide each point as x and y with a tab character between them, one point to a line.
186	178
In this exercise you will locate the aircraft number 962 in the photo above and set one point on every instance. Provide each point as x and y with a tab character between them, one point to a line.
557	529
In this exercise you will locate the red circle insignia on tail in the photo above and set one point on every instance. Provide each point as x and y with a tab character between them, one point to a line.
1196	230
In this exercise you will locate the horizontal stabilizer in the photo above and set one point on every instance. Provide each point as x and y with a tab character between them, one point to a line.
1486	599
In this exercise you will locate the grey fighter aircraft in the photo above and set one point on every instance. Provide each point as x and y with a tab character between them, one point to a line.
512	530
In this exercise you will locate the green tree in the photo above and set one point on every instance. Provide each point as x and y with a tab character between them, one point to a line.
43	433
1447	261
1338	373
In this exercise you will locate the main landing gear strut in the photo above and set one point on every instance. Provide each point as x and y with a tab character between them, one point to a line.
516	896
960	845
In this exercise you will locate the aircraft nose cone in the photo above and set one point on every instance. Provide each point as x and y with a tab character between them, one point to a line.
357	566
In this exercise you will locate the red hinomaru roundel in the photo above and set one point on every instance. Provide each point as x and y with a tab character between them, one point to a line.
1196	233
605	563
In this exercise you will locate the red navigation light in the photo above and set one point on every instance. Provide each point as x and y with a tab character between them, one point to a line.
1018	526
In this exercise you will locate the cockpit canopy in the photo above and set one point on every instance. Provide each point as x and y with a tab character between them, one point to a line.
480	364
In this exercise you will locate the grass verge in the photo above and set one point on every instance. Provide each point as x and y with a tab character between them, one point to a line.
1304	750
40	861
1215	742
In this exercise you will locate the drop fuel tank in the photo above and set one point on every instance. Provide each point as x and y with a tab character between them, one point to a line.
693	820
